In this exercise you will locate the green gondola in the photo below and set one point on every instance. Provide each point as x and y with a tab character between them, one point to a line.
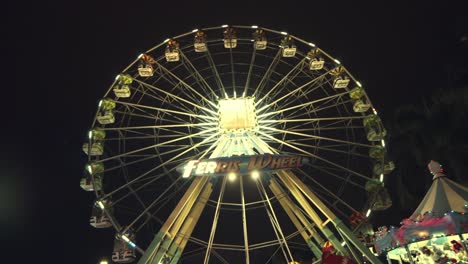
374	128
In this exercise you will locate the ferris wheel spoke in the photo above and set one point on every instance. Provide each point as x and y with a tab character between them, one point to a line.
267	73
341	118
186	85
322	196
275	223
160	144
325	128
301	105
166	110
148	157
176	97
173	184
130	114
232	73
149	180
335	102
316	137
292	92
198	77
159	166
153	116
214	69
167	99
215	221
160	126
329	149
314	145
249	73
315	156
176	86
329	192
163	202
289	77
336	173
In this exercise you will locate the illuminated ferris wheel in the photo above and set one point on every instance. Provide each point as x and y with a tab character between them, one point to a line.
235	144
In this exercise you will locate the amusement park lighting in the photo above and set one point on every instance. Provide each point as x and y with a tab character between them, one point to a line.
311	44
383	143
100	103
90	134
117	77
358	84
284	33
255	174
90	170
195	30
166	40
374	110
125	238
381	177
224	26
337	61
343	244
232	176
104	261
101	205
141	55
368	212
254	26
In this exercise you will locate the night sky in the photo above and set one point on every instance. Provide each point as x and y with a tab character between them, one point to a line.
65	55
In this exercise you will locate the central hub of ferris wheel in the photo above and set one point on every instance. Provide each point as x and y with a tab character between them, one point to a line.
237	115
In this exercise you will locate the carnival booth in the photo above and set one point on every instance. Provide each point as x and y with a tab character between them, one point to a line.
436	232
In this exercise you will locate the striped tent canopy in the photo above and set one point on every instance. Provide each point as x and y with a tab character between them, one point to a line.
443	196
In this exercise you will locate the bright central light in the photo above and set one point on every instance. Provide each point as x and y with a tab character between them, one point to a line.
237	114
103	262
232	176
255	174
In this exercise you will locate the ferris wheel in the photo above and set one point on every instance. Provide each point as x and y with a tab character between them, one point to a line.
171	148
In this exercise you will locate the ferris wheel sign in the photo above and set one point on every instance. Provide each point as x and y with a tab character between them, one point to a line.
240	165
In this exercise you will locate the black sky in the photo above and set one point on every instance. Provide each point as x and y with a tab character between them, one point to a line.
66	54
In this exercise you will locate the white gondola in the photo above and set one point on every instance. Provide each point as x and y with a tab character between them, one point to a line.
105	118
386	169
316	64
360	107
289	51
87	184
96	149
172	55
200	47
99	218
100	221
127	256
123	252
122	91
230	43
145	70
340	82
260	44
200	42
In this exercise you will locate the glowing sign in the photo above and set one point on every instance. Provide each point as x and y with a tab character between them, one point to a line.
240	165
